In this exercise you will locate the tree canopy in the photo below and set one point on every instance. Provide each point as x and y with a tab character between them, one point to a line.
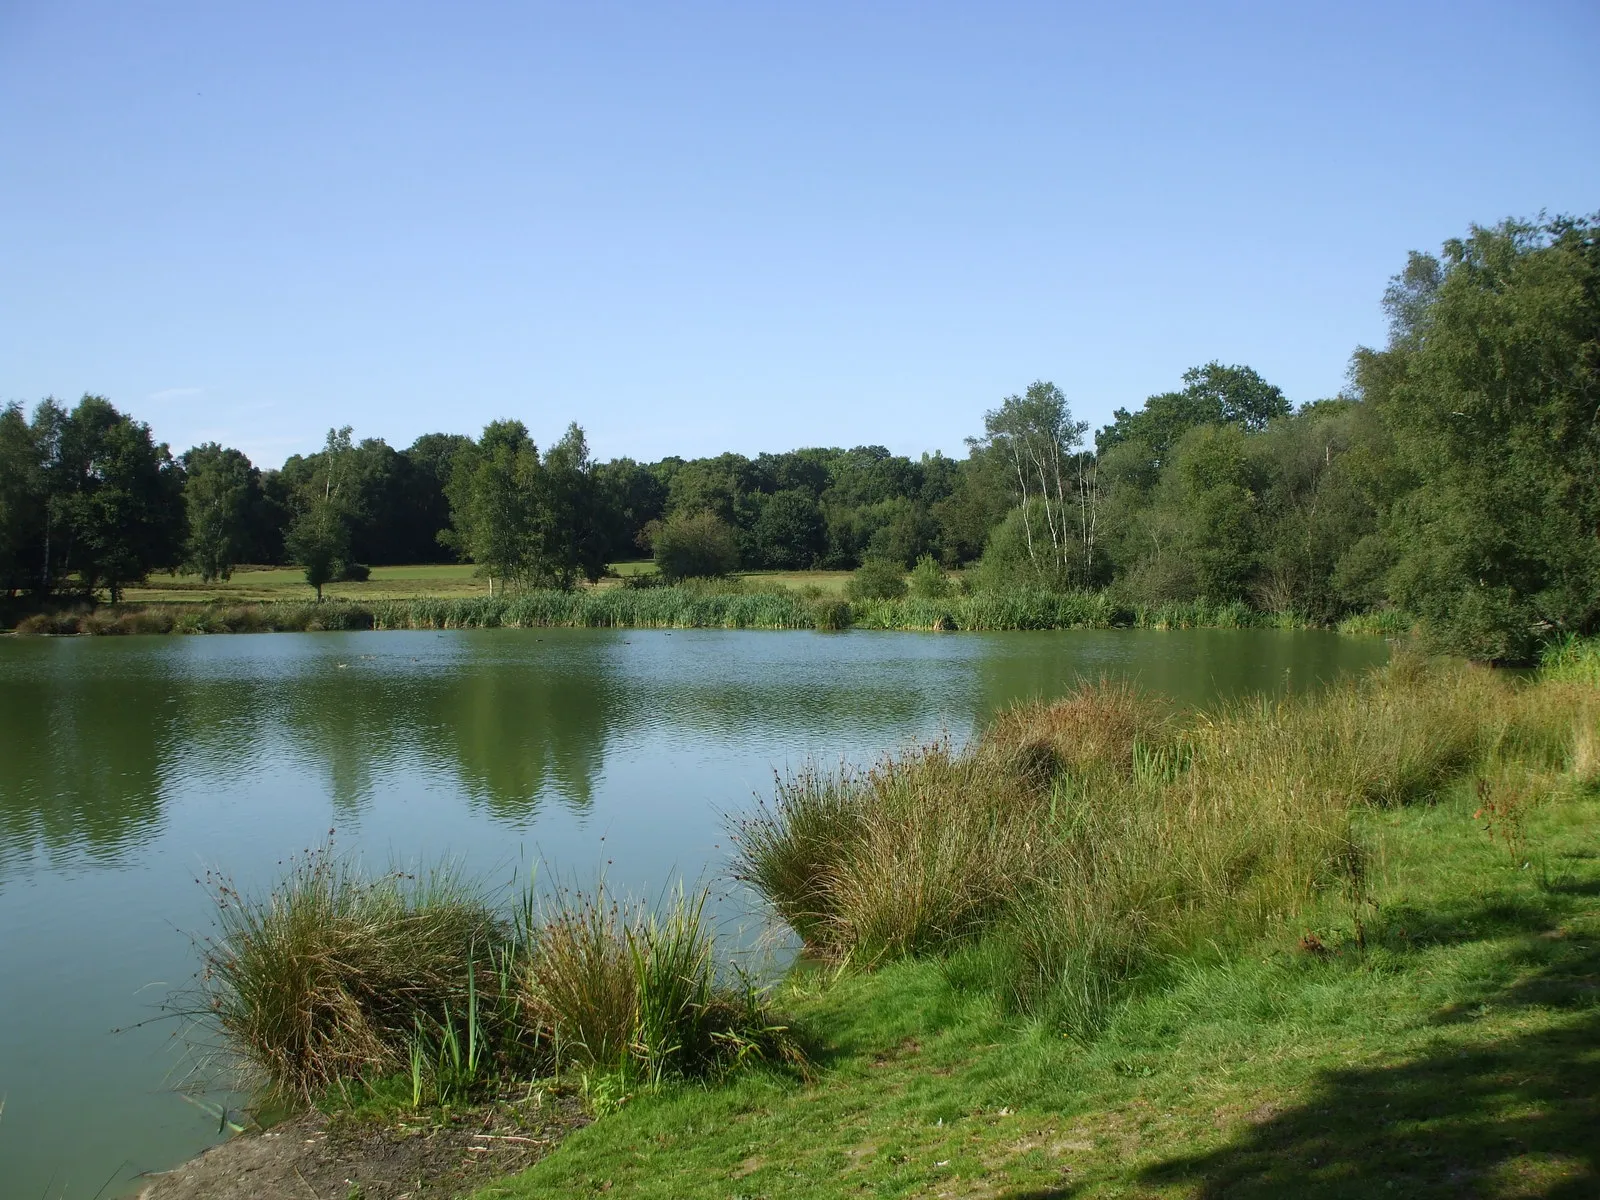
1457	478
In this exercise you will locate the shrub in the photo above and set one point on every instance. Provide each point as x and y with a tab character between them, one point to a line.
1573	659
927	580
694	546
831	615
876	579
50	624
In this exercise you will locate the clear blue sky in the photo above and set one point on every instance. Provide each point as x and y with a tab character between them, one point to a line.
745	226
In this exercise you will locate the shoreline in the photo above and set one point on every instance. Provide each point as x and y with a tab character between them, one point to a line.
685	608
1412	800
452	1155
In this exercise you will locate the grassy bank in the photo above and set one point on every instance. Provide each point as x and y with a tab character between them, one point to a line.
1335	946
689	606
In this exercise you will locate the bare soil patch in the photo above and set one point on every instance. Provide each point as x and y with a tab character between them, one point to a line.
313	1157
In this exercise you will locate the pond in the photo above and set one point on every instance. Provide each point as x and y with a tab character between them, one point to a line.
130	767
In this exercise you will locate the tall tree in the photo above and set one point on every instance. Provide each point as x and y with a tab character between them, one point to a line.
1036	435
22	503
570	527
1491	385
115	493
431	459
493	503
1212	394
221	491
318	539
631	496
788	533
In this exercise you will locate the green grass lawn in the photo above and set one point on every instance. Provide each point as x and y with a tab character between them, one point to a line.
406	583
1441	1039
289	583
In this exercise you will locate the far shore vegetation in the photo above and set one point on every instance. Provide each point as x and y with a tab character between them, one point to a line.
1456	479
1327	943
692	604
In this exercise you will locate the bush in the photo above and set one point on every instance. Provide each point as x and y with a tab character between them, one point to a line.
877	579
928	581
51	624
698	546
1574	659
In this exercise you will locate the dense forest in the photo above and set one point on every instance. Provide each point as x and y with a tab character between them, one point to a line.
1457	477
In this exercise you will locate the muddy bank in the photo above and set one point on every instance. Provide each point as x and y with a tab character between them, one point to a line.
312	1157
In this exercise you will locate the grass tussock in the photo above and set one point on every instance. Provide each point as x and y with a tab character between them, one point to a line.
332	973
1075	846
335	976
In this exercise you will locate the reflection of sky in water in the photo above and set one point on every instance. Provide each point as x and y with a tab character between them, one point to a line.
128	767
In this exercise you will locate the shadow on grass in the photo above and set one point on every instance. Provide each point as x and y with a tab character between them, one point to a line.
1518	1116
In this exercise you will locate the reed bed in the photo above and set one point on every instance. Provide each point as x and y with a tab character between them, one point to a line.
334	976
690	605
1383	622
1573	660
1075	846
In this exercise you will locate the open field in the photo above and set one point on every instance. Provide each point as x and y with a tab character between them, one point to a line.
431	580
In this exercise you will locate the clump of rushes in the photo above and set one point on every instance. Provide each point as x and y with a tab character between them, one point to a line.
903	858
1100	726
618	986
335	977
1073	846
329	976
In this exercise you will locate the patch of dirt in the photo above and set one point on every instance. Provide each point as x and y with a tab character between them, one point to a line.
906	1049
314	1158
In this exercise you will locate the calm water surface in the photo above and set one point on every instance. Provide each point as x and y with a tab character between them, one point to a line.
131	766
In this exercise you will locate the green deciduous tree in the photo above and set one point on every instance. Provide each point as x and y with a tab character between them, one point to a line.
318	539
789	534
571	526
1037	437
1212	394
221	491
1491	386
114	497
493	498
694	546
22	503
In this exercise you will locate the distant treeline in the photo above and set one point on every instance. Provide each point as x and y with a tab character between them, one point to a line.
1457	477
